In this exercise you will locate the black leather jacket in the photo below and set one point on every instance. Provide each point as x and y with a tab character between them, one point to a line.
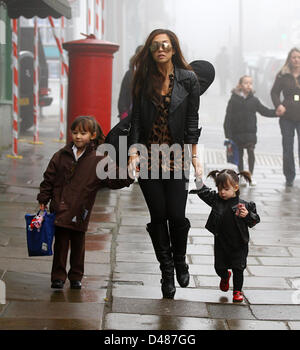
183	113
218	205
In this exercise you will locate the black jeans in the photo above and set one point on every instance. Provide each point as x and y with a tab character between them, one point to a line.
238	277
251	157
288	128
166	199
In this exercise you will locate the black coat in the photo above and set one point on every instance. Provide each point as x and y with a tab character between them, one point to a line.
183	113
240	124
218	206
124	101
286	84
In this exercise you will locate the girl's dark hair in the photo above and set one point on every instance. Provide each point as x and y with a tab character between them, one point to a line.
88	123
147	78
224	176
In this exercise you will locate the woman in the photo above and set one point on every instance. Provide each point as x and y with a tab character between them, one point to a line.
287	82
124	101
165	112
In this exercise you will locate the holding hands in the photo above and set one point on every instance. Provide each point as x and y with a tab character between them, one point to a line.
280	110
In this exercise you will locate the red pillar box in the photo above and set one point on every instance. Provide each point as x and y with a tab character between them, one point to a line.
90	80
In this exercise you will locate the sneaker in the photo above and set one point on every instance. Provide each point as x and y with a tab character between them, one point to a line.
243	182
237	296
224	284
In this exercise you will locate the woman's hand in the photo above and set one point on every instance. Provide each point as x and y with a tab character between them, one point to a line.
197	167
280	110
133	166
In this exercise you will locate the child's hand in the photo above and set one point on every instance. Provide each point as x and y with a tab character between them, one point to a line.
43	207
242	212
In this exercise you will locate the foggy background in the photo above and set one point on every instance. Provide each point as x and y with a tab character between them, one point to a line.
257	34
253	32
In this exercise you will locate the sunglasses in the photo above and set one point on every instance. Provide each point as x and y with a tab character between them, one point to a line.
157	45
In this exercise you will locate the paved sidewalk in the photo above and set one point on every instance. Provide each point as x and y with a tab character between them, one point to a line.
121	287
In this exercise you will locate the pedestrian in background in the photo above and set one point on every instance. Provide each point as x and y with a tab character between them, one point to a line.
125	100
166	97
240	124
223	69
229	220
71	184
287	83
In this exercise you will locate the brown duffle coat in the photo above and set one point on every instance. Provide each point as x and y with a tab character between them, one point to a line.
71	186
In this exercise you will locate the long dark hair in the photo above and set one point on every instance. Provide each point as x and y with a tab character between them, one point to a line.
224	176
88	123
147	78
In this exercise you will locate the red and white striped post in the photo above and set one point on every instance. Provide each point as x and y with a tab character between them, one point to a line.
36	105
62	81
89	17
98	16
102	20
15	88
58	43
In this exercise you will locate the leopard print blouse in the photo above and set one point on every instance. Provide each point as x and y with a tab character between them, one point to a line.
160	134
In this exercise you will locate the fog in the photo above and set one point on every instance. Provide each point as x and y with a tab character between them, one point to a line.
254	32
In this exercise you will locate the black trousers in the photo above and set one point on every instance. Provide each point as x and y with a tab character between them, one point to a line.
238	277
251	157
288	129
166	199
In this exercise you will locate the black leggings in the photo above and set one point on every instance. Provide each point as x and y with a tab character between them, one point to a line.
166	199
238	277
251	157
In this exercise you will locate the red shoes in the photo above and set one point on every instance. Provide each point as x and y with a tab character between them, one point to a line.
224	284
237	296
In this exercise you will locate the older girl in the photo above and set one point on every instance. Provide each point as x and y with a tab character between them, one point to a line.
71	184
240	124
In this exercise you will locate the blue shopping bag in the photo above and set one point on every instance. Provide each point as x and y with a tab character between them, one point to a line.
232	152
39	240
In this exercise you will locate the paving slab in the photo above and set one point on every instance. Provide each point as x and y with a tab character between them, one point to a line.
276	312
120	321
248	325
162	307
30	324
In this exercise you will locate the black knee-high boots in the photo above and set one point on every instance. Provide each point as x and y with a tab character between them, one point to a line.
161	242
179	236
170	251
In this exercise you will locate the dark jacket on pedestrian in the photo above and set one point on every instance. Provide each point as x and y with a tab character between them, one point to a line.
183	112
240	124
125	100
72	186
218	205
289	86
